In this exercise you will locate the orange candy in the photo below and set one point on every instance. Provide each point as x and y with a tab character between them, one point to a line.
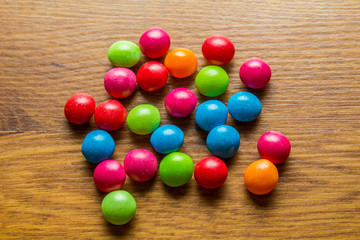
261	177
181	62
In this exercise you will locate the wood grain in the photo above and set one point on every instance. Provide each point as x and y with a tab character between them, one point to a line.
50	50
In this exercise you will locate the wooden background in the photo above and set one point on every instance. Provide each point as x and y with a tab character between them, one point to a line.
50	50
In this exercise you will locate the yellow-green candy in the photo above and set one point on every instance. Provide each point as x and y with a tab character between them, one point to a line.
118	207
124	54
176	169
143	119
212	81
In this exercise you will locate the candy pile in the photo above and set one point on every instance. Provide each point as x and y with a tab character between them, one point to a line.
176	168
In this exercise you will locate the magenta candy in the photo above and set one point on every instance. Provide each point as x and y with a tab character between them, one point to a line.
255	73
274	146
120	82
140	165
154	43
109	176
180	102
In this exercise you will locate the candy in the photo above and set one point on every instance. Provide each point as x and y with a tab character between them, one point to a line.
244	106
212	81
118	207
180	102
143	119
109	176
110	115
210	172
181	62
79	108
218	50
223	141
98	146
176	169
166	139
274	146
124	54
120	82
140	165
210	114
154	43
152	76
261	177
255	73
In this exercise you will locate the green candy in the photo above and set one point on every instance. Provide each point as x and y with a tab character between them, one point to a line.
212	81
143	119
176	169
118	207
124	54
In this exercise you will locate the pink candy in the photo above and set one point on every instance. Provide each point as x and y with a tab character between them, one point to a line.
180	102
120	82
274	146
109	176
255	73
154	43
140	165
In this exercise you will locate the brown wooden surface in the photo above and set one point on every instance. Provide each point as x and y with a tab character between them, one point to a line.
50	50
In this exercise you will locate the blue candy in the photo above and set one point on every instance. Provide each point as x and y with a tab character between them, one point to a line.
244	106
166	139
211	114
98	146
223	141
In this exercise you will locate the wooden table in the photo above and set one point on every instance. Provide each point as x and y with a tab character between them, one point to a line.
51	50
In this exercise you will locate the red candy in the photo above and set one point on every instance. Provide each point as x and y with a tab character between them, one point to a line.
255	73
274	146
79	108
110	115
218	50
109	176
152	76
210	172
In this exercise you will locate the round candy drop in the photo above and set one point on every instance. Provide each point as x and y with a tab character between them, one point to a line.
124	54
110	115
255	73
154	43
109	175
244	106
143	119
152	76
79	108
140	165
210	172
181	63
212	81
210	114
274	146
218	50
261	177
223	141
180	102
98	146
176	169
118	207
167	138
120	82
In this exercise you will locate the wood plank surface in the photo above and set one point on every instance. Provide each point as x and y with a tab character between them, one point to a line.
50	50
